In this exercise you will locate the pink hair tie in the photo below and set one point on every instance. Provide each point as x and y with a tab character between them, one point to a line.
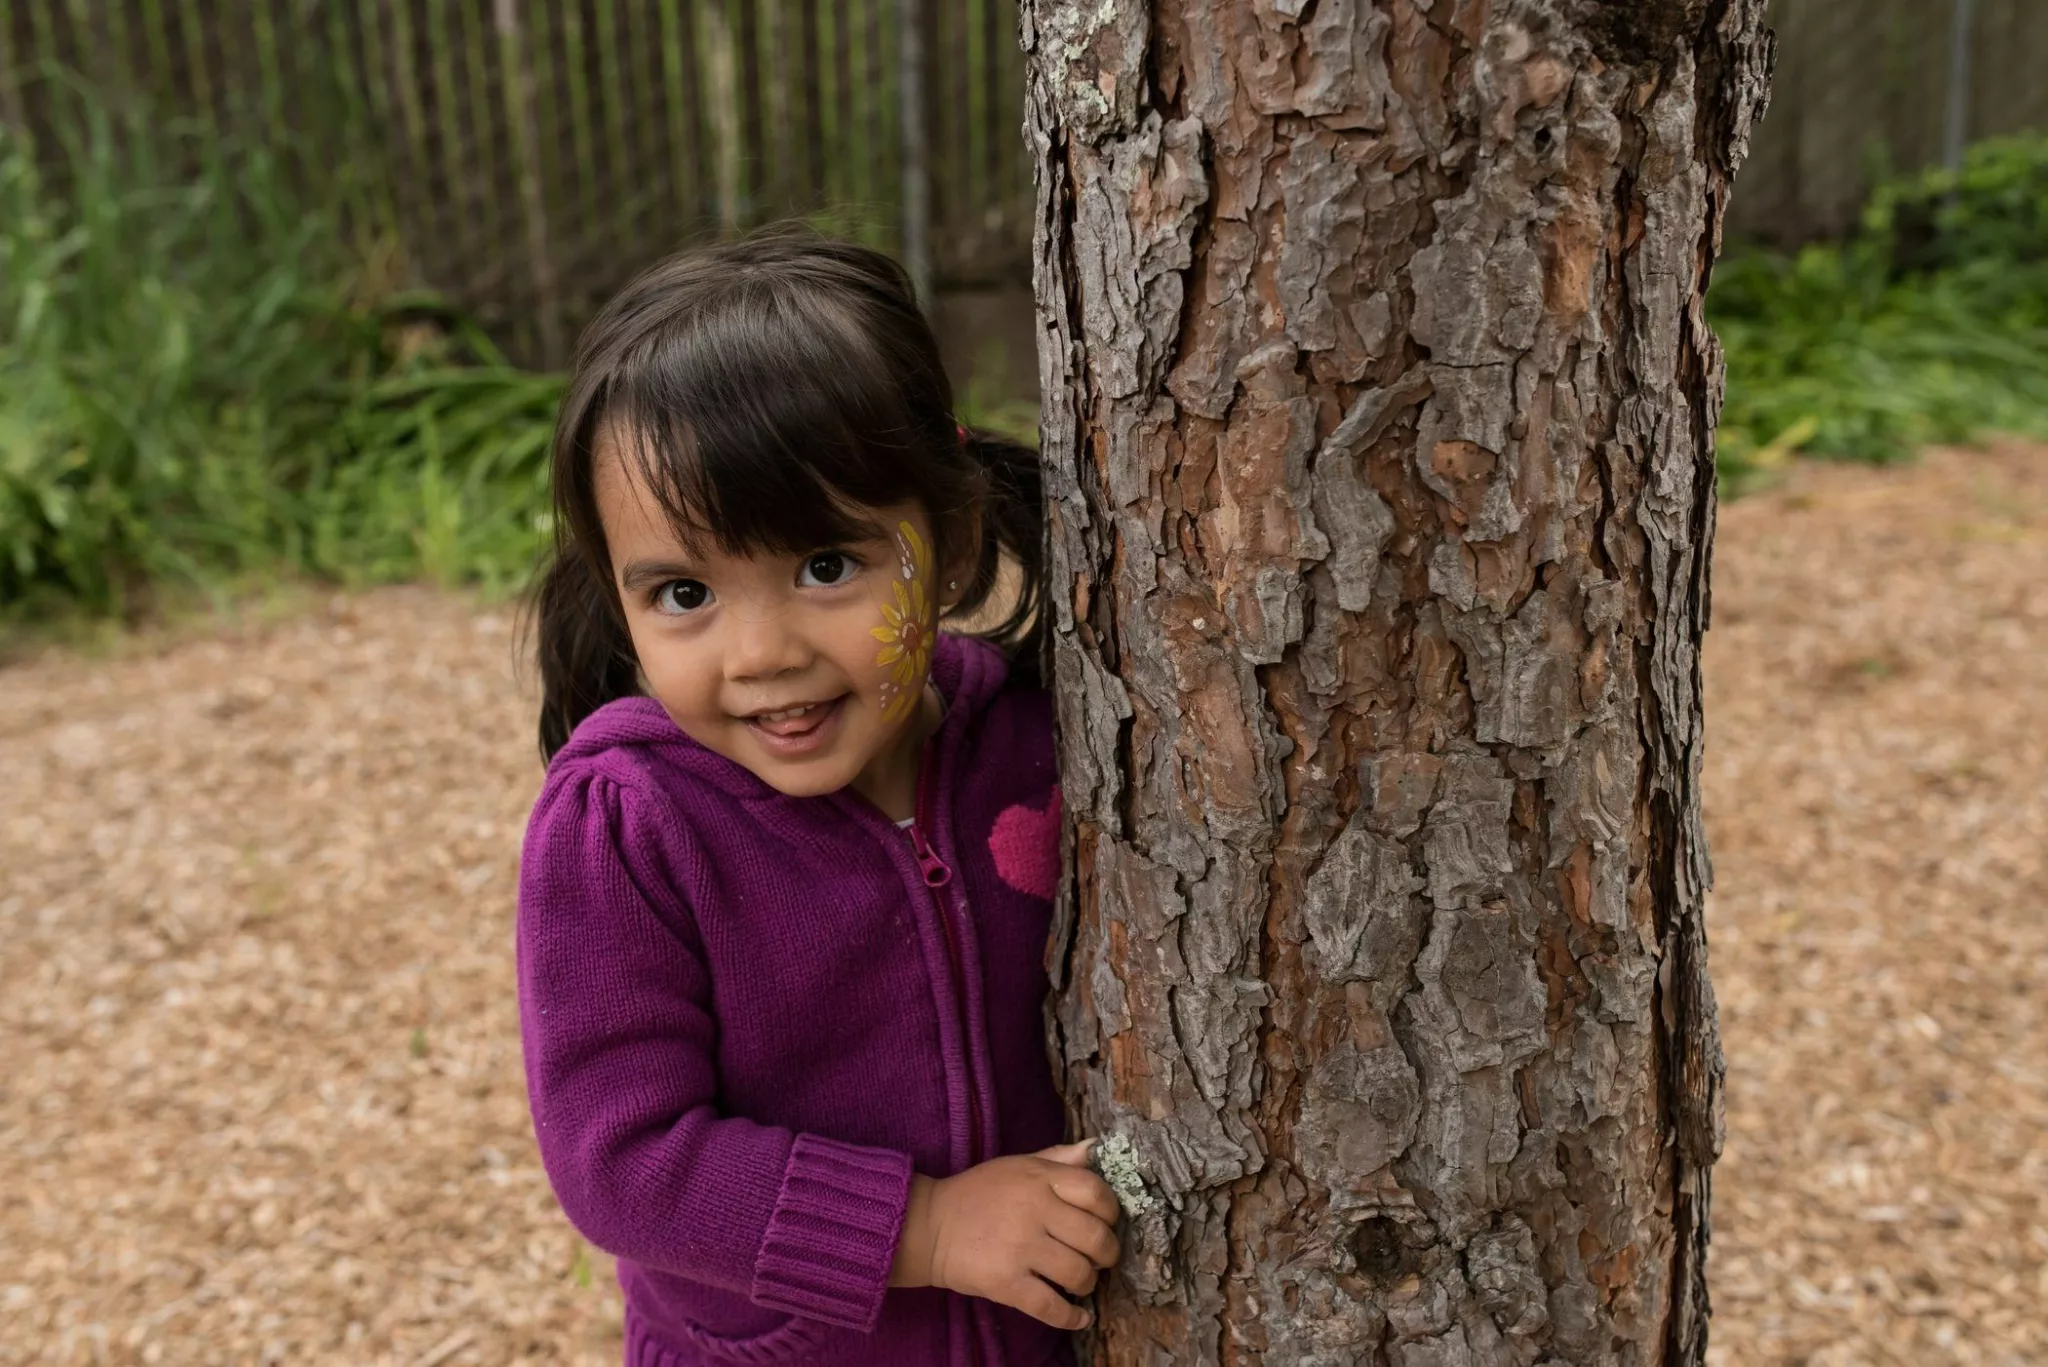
961	429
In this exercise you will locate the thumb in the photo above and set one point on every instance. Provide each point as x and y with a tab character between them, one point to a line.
1074	1155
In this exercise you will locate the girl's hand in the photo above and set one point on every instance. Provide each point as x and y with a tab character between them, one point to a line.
997	1228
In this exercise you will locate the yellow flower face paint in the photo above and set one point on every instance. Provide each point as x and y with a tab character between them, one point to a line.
906	632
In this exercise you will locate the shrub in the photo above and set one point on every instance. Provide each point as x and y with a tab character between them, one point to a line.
1930	324
196	384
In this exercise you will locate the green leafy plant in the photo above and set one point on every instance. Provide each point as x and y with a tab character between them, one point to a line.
199	384
1930	324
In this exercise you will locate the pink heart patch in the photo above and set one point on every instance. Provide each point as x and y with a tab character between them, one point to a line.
1026	846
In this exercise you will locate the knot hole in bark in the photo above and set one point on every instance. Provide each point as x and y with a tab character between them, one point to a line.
1380	1249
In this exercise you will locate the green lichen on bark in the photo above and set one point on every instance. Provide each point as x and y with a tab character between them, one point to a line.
1115	1160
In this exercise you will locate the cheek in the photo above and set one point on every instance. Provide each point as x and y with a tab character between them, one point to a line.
866	659
675	673
863	652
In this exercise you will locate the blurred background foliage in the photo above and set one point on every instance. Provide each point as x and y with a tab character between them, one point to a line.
218	371
203	384
1929	323
198	385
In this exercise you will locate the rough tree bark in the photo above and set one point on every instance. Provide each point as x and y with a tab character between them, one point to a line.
1378	425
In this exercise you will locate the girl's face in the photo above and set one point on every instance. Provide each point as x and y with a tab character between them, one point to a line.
809	670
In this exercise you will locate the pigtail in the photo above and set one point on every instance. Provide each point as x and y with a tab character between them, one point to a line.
1013	530
586	656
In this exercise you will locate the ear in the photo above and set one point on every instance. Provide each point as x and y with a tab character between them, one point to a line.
963	542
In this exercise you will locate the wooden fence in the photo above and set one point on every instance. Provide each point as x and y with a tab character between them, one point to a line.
526	155
1865	84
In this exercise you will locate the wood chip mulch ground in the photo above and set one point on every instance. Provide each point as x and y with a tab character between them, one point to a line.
261	1099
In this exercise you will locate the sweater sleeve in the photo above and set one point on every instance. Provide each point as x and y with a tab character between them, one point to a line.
617	1030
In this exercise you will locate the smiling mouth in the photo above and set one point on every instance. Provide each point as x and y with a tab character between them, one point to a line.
789	722
786	713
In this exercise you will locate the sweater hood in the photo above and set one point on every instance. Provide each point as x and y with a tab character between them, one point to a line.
967	671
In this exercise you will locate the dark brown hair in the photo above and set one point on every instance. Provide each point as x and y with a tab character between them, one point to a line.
773	388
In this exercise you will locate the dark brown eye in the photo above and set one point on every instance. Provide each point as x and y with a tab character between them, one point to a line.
679	596
826	568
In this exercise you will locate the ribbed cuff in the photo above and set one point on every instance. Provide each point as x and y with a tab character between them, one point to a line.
832	1237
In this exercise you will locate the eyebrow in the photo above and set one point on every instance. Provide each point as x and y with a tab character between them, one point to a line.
641	573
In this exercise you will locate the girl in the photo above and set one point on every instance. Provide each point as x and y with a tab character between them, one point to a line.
786	890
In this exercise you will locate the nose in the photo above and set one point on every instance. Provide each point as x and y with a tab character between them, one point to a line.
761	647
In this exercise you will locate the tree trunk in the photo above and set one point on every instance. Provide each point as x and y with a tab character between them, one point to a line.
1378	432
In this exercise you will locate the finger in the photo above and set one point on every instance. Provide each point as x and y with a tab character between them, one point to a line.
1086	1235
1062	1266
1086	1191
1038	1300
1073	1155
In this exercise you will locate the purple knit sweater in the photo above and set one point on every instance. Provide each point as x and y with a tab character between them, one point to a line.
748	1017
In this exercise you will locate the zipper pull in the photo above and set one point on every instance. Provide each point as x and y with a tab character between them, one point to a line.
936	872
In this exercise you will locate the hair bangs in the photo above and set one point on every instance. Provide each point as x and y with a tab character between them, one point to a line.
765	422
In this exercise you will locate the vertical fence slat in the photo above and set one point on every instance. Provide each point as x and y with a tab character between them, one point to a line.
42	33
846	170
913	109
813	87
156	26
383	121
998	118
13	105
582	145
956	58
30	42
365	184
555	163
614	204
649	150
419	225
278	129
192	41
231	62
596	134
777	152
60	40
875	140
726	120
121	45
95	33
619	148
691	52
685	168
753	117
443	143
522	121
644	144
494	181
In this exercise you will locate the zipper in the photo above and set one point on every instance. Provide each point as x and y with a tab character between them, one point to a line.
937	875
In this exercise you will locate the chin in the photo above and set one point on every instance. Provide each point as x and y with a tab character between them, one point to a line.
794	782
